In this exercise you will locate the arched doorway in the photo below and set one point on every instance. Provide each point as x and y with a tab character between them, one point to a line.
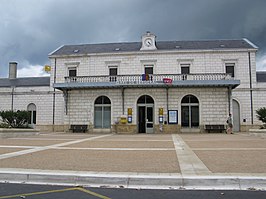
102	112
145	108
189	111
236	116
32	109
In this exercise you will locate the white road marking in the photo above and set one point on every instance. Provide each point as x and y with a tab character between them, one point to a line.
11	146
228	149
42	139
42	148
116	149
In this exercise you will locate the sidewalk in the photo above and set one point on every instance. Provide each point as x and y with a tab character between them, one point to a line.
190	161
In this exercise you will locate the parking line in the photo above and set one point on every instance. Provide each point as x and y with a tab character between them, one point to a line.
38	193
57	191
92	193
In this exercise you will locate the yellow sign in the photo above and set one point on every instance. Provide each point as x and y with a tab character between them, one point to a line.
47	68
123	120
129	111
160	111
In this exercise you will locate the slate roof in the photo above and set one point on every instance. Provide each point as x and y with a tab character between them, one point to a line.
261	76
25	82
161	45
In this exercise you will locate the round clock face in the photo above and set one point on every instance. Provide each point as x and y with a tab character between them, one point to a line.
148	42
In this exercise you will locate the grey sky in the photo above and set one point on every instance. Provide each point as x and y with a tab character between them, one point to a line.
30	29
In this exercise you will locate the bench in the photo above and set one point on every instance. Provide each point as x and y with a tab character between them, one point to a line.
78	127
214	127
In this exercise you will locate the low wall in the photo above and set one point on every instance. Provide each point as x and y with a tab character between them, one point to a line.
11	133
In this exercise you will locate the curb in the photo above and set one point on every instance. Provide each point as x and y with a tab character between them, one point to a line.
137	181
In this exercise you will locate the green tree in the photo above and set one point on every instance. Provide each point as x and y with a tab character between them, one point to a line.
15	119
261	115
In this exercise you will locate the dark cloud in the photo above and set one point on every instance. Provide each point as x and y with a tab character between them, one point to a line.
30	29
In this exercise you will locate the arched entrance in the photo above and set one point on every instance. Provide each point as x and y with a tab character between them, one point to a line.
236	116
32	109
145	106
189	111
102	112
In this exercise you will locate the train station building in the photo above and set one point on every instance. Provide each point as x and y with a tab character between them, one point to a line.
147	86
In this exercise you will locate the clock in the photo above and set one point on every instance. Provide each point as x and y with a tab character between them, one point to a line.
148	42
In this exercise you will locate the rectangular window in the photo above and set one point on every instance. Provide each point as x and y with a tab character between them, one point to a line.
148	70
72	71
185	68
230	69
113	74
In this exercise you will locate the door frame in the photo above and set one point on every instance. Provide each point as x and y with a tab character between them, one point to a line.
236	115
147	129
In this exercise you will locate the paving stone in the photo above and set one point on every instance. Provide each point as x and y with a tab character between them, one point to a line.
234	161
101	161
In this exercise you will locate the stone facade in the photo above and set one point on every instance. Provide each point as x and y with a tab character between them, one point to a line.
214	105
19	97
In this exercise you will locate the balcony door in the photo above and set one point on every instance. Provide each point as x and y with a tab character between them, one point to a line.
145	109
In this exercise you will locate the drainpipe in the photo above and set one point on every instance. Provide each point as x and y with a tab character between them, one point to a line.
123	100
229	99
167	100
54	94
250	87
65	92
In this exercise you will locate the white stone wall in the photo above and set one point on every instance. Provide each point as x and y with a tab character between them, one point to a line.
214	106
213	103
165	63
259	95
5	98
41	96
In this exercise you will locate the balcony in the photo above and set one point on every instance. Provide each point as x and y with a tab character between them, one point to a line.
155	80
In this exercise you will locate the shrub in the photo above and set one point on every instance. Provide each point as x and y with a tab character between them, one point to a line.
15	119
261	115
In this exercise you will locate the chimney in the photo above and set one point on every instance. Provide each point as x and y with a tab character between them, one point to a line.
13	70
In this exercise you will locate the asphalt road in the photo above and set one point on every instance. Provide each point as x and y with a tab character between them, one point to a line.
62	192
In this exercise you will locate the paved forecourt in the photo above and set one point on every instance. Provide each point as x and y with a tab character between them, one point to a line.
153	155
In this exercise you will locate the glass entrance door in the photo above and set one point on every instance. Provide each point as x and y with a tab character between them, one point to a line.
142	119
149	119
145	118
